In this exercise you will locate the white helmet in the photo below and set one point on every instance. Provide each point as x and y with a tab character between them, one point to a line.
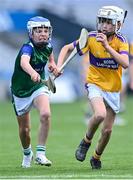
38	21
114	13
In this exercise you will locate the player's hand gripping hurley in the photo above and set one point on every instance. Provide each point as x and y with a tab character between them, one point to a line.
81	44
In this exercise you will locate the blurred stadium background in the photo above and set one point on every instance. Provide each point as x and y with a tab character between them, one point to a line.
67	18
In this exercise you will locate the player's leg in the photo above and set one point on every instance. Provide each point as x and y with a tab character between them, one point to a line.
88	112
24	134
22	107
24	129
104	138
41	102
99	115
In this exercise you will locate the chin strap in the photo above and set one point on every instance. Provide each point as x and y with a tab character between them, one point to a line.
110	34
107	34
39	44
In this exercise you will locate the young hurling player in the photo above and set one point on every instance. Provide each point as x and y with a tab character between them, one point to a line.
108	54
28	91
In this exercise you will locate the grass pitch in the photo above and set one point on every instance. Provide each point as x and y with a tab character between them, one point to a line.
67	129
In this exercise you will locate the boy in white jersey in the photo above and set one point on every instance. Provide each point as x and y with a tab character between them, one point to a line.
108	53
28	91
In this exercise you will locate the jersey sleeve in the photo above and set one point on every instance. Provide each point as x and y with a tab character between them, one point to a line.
26	50
91	38
86	48
80	51
124	48
123	44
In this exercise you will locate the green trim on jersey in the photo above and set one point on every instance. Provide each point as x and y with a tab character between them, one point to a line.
21	83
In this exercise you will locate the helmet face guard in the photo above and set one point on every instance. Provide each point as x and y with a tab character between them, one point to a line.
39	22
101	20
113	14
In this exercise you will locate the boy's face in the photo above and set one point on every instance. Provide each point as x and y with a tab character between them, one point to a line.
40	35
106	25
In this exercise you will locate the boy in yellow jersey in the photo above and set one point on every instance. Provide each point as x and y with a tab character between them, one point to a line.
108	54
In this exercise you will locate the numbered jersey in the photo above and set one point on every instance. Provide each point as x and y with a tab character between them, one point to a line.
104	71
21	83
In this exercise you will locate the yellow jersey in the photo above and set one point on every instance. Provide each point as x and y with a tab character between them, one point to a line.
103	70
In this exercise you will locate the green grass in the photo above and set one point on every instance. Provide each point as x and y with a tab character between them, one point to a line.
67	130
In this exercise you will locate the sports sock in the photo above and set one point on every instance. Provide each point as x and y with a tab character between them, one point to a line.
96	155
27	151
40	149
87	140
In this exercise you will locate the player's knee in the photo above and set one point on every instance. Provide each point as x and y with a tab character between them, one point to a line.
106	132
100	116
45	116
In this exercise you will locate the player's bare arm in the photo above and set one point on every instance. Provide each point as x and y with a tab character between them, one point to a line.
64	53
25	59
122	59
52	65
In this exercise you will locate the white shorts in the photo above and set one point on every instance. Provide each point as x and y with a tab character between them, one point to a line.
23	105
111	98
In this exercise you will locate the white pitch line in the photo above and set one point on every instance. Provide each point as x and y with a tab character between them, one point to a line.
101	176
